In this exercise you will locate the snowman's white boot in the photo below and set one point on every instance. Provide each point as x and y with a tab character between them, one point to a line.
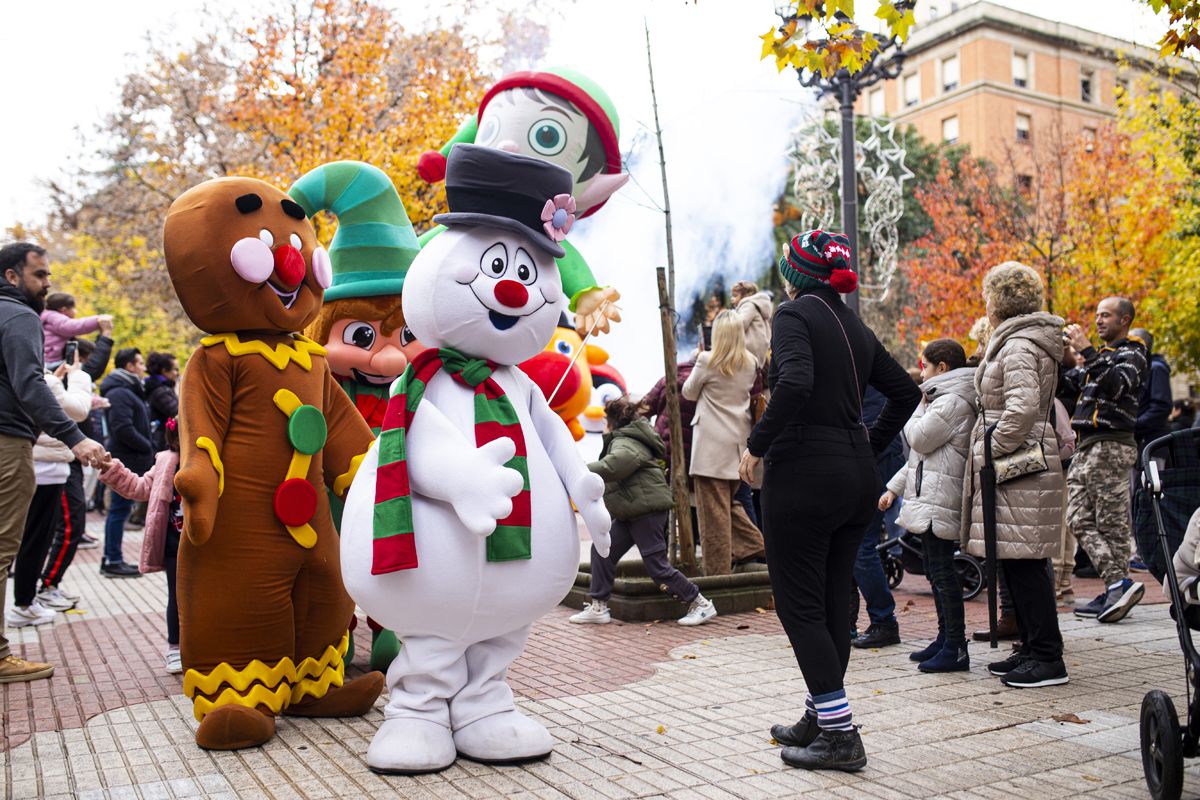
487	725
415	736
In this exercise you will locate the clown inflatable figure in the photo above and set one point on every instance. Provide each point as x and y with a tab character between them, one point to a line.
361	324
265	431
458	532
563	117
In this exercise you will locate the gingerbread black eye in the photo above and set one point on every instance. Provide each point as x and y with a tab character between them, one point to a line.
407	337
359	334
248	203
494	262
291	208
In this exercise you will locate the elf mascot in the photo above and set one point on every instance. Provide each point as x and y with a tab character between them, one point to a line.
361	324
458	531
265	429
563	117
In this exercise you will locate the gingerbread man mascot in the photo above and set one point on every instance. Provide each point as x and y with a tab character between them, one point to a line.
264	615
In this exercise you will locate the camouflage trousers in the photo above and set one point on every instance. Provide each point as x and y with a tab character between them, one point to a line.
1098	506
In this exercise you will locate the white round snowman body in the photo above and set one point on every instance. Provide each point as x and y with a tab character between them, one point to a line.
489	294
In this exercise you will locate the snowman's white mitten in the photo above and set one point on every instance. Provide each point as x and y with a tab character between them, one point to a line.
494	486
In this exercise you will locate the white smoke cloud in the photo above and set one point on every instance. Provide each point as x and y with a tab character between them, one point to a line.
726	117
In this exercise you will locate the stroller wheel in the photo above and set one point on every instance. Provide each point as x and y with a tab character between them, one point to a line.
893	567
970	575
1162	747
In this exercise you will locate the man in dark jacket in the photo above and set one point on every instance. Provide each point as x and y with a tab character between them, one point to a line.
162	371
26	407
129	440
1109	385
1154	404
71	533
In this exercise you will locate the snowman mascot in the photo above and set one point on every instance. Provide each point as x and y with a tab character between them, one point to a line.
458	531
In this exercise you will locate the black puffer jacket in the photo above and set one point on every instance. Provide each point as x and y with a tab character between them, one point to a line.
128	421
1108	385
631	464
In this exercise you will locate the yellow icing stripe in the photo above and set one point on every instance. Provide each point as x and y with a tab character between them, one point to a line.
332	657
276	700
286	401
300	351
304	535
343	481
318	687
299	466
239	679
207	445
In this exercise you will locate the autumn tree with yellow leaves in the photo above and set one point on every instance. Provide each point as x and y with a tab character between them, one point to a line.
318	81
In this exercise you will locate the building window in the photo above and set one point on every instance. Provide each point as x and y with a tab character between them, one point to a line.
1023	123
1087	79
912	89
950	130
949	74
875	103
1025	183
1020	68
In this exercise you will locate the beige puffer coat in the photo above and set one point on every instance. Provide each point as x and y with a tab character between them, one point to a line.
755	313
1016	383
938	434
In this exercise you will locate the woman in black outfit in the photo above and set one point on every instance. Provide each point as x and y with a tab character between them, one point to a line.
820	483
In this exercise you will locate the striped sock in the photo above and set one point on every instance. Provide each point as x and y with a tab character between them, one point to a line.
833	711
809	707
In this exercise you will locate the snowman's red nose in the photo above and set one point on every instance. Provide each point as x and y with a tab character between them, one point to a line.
512	294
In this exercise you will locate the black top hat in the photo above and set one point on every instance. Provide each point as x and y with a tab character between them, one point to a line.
502	190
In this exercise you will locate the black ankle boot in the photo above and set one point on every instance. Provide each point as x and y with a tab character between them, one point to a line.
840	750
799	735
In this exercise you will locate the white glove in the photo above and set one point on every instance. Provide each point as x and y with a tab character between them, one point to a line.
588	495
491	487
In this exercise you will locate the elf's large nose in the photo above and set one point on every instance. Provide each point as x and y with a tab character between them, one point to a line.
512	294
289	265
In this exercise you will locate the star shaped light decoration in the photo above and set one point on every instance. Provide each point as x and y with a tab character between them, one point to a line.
879	160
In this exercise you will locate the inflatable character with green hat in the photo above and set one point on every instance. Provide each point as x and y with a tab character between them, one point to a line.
560	116
361	324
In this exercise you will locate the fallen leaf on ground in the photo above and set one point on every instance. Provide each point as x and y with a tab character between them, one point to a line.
689	656
76	611
1073	719
760	610
661	729
1092	778
743	627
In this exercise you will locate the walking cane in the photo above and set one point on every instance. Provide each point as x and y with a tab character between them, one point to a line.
987	479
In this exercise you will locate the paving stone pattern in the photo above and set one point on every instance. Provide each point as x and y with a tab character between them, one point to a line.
639	711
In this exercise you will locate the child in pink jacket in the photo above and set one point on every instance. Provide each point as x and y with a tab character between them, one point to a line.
164	523
59	325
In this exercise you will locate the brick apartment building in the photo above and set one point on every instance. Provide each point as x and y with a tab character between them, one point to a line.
991	77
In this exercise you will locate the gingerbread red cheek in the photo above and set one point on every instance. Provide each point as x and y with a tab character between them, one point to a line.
252	259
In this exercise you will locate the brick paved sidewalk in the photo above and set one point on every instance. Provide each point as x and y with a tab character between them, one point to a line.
639	711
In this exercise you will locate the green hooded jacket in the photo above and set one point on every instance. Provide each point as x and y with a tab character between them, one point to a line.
631	464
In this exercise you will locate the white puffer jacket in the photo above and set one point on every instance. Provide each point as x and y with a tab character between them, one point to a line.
50	456
755	313
938	435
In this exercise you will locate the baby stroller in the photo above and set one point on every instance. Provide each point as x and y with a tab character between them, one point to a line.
903	554
1171	475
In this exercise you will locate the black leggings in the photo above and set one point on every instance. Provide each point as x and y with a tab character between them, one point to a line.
44	512
815	510
170	556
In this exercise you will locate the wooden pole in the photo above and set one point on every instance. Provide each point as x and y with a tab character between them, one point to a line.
662	161
679	487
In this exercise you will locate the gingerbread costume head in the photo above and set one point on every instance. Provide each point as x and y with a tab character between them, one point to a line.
243	256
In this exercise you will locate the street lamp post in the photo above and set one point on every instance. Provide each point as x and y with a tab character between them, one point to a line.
846	87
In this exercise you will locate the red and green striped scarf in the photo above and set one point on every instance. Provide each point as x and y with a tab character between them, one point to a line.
394	546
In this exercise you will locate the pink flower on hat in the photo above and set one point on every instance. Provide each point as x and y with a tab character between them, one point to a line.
558	215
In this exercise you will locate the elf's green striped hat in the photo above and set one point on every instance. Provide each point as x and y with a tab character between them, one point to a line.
375	243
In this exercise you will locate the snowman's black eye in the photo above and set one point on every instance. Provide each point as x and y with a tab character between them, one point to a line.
494	262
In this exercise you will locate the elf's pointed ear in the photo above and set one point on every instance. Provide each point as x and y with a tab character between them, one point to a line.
598	188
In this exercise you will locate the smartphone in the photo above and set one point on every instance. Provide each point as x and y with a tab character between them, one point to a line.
69	352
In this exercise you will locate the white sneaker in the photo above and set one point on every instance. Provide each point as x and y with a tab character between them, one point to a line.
700	612
55	599
595	612
174	662
72	596
32	614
